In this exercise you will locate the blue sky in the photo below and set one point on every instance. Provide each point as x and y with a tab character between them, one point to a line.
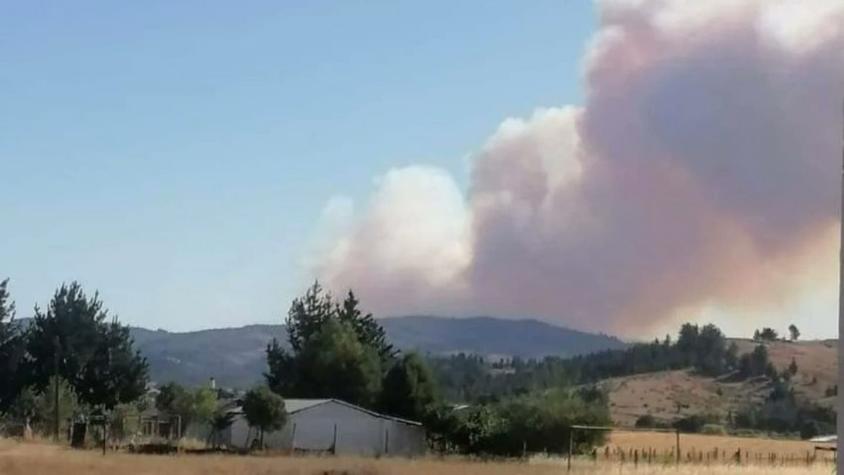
176	156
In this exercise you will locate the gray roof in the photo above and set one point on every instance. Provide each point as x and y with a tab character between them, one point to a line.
293	406
296	405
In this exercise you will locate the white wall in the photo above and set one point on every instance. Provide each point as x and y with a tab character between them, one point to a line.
358	432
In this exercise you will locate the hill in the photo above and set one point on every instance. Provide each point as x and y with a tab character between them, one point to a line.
668	395
235	356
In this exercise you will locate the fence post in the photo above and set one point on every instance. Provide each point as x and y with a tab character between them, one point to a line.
678	446
571	447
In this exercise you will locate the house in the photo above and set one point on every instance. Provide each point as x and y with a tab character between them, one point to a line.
333	426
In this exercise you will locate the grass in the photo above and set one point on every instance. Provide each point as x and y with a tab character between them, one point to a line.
40	458
699	443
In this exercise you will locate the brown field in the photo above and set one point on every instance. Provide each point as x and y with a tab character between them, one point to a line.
38	458
699	445
669	395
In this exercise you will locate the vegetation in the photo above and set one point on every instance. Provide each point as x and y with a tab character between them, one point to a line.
75	340
409	389
337	351
194	406
11	349
24	459
794	332
264	410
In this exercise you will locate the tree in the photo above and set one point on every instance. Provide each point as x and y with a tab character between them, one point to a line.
95	356
792	368
220	421
794	332
193	406
710	351
11	350
409	389
368	330
768	334
265	410
756	363
335	364
307	315
335	351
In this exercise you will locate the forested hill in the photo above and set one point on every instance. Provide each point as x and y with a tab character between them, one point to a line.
235	356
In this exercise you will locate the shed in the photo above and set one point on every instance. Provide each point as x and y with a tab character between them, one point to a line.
334	426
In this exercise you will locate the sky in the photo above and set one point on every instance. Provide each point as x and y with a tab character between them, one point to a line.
620	166
181	157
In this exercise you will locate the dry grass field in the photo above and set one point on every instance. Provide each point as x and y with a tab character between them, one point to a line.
668	395
42	459
698	445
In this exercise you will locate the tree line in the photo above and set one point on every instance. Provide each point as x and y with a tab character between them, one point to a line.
73	349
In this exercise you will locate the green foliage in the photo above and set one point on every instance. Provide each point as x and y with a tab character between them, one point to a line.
469	378
336	351
369	332
95	356
38	407
756	363
409	389
793	332
335	364
531	423
766	334
265	410
11	350
220	421
783	412
195	406
695	423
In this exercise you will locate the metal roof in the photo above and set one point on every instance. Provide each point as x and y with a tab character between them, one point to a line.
296	405
293	406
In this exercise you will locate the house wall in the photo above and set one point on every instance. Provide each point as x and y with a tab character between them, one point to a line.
357	433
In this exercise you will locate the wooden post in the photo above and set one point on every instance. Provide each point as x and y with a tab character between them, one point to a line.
105	435
56	420
293	439
571	447
678	445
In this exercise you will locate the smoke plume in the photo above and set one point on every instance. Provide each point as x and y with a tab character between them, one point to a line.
699	178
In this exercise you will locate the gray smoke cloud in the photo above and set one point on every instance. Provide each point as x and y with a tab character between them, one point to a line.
700	178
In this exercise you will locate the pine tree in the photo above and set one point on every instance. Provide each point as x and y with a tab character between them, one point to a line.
96	356
368	330
11	350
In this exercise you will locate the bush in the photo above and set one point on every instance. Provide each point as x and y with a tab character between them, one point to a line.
713	429
645	422
695	423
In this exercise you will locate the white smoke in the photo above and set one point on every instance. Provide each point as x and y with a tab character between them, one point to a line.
699	178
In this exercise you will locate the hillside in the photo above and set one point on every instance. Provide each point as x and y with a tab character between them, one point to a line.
668	395
235	356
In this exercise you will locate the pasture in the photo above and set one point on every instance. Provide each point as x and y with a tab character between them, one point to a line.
34	458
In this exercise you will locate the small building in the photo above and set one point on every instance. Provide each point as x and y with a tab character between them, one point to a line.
333	426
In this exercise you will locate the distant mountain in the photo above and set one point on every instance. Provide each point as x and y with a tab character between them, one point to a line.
493	337
235	356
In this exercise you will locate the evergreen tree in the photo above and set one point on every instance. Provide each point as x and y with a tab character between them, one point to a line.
794	332
409	389
368	330
11	350
95	356
336	351
335	364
